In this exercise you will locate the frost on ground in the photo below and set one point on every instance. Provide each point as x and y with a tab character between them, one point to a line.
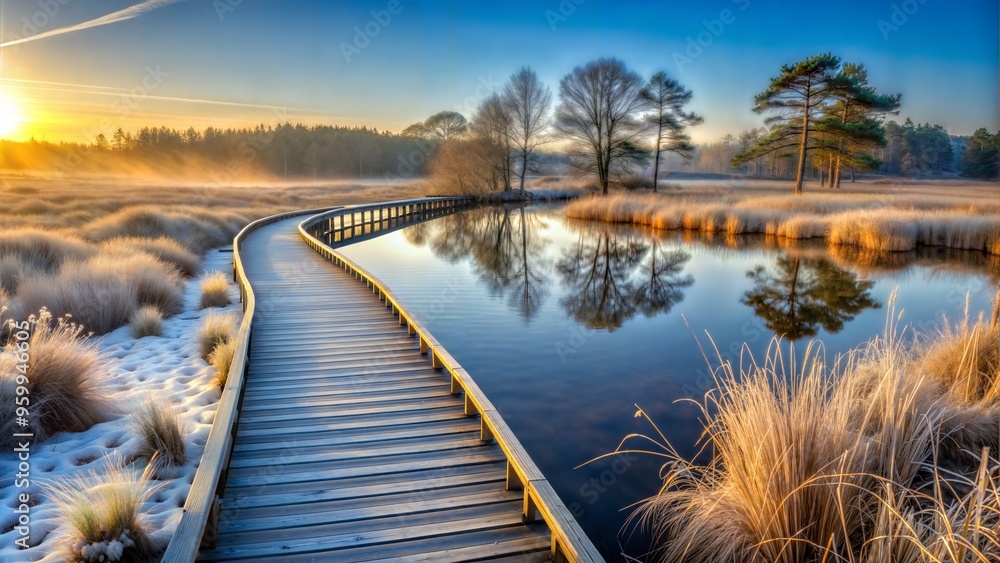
168	367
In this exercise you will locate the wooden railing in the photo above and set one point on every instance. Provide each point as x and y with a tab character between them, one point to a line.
540	499
199	521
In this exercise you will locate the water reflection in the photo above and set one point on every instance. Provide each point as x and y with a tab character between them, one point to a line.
506	246
796	296
611	278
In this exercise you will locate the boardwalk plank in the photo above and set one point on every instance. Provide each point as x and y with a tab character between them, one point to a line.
349	446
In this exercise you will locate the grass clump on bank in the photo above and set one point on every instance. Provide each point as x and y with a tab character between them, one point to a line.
222	359
104	515
63	378
215	290
217	343
160	432
102	292
146	321
869	221
889	455
216	329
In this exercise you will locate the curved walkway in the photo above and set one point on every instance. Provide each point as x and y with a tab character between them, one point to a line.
350	447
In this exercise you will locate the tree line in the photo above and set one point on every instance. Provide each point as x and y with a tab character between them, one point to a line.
282	151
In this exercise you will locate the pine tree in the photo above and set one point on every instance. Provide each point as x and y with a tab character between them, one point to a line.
666	98
854	119
796	98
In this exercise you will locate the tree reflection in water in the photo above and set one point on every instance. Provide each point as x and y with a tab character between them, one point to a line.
506	248
799	295
612	278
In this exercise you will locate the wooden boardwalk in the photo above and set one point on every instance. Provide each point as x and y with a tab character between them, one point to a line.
350	447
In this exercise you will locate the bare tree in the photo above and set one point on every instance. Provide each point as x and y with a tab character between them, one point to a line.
492	123
666	98
598	113
528	102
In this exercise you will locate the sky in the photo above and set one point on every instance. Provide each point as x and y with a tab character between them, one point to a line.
70	69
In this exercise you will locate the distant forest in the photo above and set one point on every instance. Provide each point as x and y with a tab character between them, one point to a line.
911	150
318	152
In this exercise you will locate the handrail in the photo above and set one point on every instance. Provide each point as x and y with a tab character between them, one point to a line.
201	509
568	538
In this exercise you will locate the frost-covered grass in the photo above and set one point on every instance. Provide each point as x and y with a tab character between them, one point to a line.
103	291
161	432
215	290
869	218
218	328
888	455
221	359
168	367
146	321
61	370
104	514
164	248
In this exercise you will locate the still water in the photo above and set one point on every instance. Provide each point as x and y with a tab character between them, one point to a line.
568	325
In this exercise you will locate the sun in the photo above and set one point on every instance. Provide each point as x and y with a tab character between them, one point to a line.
10	116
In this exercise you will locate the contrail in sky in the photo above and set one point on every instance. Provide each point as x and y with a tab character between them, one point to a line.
114	17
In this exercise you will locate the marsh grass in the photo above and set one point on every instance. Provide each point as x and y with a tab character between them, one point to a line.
222	359
160	432
164	248
865	460
104	514
217	328
146	321
869	221
102	292
63	378
215	290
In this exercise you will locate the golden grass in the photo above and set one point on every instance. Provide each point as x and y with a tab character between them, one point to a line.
160	432
217	328
164	248
102	292
63	379
841	463
104	513
870	220
146	321
214	290
222	359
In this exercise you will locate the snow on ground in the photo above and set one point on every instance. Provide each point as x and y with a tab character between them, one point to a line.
169	367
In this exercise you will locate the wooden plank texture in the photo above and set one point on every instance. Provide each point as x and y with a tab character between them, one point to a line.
349	446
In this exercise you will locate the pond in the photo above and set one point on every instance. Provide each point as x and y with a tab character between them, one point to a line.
568	325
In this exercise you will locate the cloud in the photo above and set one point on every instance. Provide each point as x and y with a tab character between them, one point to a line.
114	17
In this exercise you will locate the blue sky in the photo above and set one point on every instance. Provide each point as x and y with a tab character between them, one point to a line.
447	55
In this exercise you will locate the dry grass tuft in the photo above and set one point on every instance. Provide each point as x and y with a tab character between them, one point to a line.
216	329
102	292
146	321
215	290
965	356
161	433
62	377
222	359
104	515
196	228
29	252
842	464
165	249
